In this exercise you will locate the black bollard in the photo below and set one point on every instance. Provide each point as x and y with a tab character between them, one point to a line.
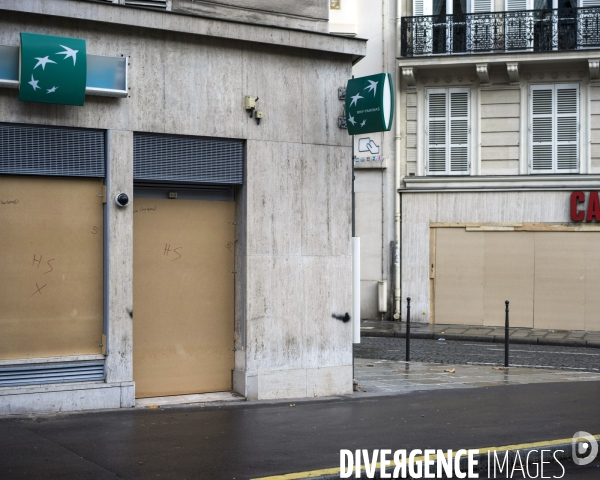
506	334
408	329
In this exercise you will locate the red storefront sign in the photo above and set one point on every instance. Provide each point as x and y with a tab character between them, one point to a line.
593	207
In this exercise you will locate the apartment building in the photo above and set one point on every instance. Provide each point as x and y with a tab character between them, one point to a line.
500	154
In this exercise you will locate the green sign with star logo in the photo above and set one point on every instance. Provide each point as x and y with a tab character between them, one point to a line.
52	69
370	104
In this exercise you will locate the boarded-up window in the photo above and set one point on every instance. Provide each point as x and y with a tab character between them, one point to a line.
554	127
51	267
448	131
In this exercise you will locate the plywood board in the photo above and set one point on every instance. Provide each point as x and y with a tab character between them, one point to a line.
592	281
51	267
509	275
459	276
560	287
183	296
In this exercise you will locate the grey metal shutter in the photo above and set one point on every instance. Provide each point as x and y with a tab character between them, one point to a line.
183	159
34	150
15	375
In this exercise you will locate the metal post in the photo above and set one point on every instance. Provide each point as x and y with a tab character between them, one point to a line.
506	333
408	329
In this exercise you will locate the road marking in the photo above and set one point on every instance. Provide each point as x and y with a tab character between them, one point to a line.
482	451
534	351
533	366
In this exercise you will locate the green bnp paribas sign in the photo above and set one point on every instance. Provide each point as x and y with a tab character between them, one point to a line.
370	104
52	69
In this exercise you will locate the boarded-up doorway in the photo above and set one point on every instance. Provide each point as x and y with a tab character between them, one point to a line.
183	296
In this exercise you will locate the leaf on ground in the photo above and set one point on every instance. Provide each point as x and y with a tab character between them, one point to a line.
499	368
153	406
450	370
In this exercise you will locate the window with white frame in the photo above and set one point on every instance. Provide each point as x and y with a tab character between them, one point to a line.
554	128
448	131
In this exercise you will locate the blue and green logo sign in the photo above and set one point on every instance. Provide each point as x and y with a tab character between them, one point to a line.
370	104
53	69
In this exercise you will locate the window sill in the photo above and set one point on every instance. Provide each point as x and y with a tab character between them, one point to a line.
555	182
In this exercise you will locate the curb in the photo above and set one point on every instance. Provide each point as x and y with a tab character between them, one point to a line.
486	338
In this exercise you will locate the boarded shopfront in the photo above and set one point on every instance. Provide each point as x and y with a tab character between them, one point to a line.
51	239
465	253
550	277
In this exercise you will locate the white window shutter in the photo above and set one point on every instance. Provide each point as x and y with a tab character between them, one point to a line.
481	6
541	100
516	5
588	3
422	7
437	131
459	130
567	128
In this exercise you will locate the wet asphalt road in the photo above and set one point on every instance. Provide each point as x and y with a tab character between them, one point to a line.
472	353
249	440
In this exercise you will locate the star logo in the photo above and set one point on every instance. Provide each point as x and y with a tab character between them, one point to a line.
64	82
372	87
362	124
43	61
351	120
34	83
355	99
69	52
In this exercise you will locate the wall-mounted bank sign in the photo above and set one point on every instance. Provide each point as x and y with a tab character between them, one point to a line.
370	104
58	70
592	212
52	69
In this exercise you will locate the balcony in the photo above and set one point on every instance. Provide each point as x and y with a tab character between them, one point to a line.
515	31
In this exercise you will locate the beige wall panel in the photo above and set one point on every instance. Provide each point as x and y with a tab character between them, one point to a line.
595	125
491	125
500	167
500	96
275	206
499	139
494	153
595	107
411	113
411	128
592	281
368	227
509	272
459	277
411	100
411	141
275	306
559	299
506	110
594	93
183	296
52	266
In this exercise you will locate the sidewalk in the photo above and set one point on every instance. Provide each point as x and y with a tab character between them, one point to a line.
478	333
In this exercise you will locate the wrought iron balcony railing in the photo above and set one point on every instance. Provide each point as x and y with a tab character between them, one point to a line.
528	30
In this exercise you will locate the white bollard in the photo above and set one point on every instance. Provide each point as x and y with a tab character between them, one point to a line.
356	289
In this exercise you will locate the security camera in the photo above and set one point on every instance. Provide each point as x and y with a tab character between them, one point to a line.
122	200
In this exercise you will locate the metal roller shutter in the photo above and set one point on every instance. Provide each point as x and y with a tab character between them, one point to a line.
185	159
35	150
